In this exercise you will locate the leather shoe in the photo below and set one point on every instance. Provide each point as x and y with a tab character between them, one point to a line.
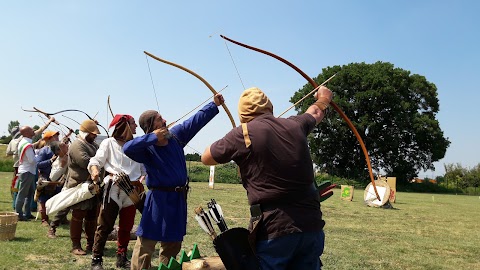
51	233
78	251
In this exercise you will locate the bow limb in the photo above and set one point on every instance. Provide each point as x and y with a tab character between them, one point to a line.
48	116
70	130
41	112
109	107
113	116
75	110
198	77
333	104
89	117
67	134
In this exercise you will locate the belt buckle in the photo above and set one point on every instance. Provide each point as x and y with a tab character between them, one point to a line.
178	189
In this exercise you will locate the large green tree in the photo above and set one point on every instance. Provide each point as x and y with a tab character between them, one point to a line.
394	112
37	137
455	174
13	124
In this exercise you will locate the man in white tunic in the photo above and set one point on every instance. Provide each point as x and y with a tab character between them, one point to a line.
116	202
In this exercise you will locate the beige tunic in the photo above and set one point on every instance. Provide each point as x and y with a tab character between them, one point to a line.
79	154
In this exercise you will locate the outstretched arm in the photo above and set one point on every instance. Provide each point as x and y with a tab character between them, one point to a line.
207	158
42	129
317	109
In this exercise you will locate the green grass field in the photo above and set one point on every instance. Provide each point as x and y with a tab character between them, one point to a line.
424	231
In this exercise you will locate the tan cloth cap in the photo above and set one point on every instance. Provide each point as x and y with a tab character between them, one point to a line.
89	126
253	102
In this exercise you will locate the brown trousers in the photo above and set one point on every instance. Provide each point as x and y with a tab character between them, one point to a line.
143	251
59	217
106	221
86	218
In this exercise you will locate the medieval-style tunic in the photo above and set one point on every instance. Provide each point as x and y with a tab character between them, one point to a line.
110	156
164	216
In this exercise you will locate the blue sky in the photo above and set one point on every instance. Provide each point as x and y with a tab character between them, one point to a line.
72	54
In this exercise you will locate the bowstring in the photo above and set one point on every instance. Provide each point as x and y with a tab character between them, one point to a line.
158	107
233	61
198	106
153	84
108	110
57	127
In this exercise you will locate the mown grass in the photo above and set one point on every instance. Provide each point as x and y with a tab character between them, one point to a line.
6	162
424	231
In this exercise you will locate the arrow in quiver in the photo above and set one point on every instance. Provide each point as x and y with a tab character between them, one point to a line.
217	215
204	222
123	182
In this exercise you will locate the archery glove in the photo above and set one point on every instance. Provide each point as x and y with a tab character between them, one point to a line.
324	190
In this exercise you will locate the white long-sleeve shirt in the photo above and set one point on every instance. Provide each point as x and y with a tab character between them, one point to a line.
27	163
110	156
57	170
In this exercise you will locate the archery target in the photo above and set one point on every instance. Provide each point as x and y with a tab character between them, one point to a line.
383	191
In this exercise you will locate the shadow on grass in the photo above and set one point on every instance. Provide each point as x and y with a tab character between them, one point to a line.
63	236
22	239
217	188
400	203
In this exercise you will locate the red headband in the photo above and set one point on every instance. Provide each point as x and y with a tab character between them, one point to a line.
118	118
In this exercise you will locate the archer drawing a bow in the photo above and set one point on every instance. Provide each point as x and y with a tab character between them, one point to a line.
333	104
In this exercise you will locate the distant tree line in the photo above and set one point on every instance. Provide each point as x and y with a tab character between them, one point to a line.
460	177
193	157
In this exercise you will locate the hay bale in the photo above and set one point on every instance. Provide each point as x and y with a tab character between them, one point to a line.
206	263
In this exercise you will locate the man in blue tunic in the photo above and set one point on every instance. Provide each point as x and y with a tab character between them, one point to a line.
164	217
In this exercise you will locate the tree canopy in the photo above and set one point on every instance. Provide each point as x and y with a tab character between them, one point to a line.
394	112
193	157
13	124
461	177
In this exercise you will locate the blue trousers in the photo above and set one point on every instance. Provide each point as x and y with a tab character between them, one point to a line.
293	251
33	204
25	194
14	200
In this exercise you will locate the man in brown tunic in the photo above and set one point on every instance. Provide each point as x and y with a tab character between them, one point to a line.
277	172
83	213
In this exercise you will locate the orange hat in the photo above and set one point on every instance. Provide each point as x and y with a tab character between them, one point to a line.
49	134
